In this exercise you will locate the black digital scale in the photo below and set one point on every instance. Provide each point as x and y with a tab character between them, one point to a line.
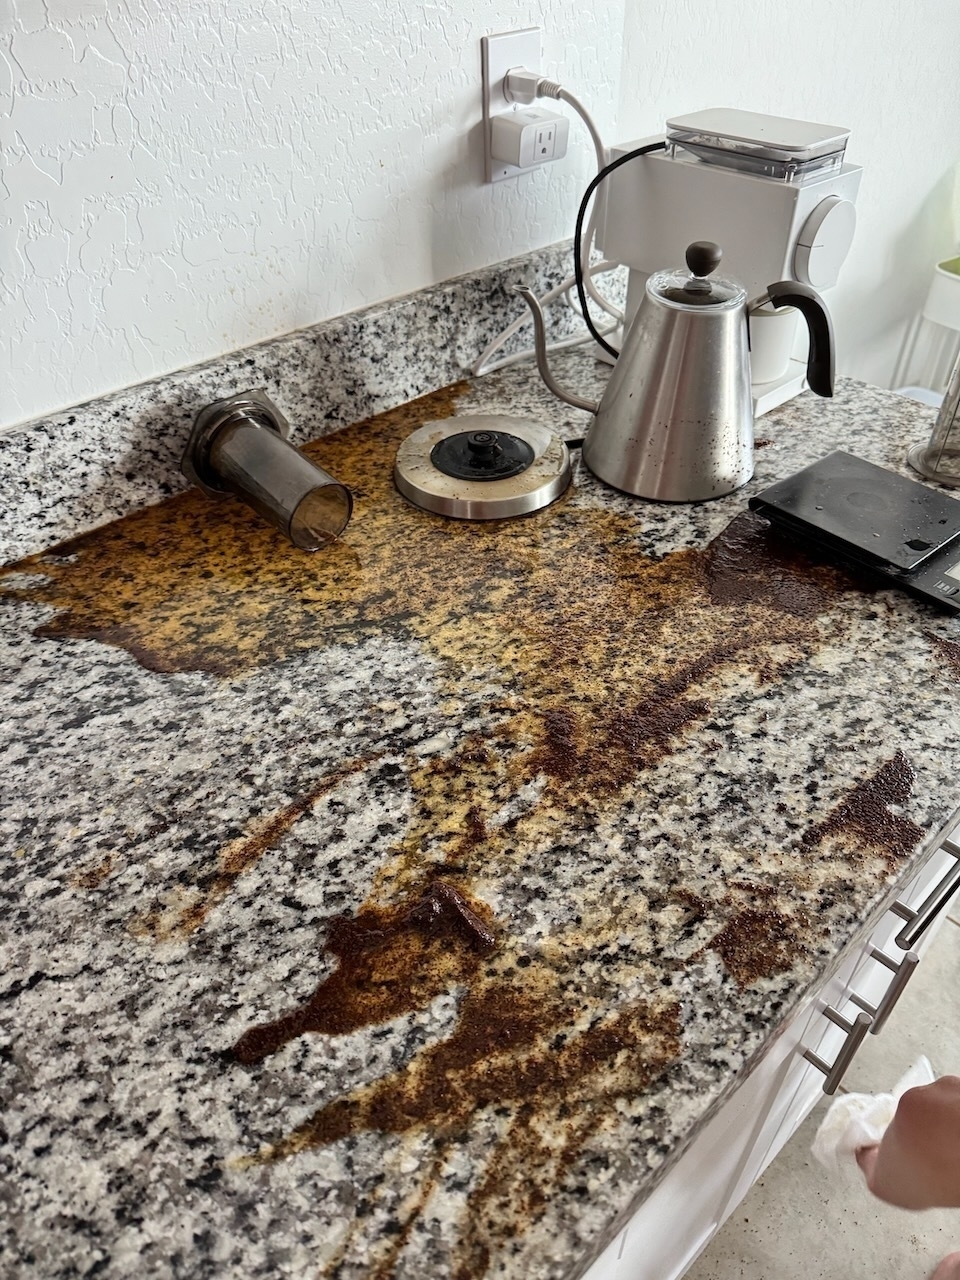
902	530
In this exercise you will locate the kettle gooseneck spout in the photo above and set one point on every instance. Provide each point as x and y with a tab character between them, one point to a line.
540	343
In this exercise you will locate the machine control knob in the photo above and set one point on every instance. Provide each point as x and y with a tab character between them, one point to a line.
824	242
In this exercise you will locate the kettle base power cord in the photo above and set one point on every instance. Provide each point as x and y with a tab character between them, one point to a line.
524	87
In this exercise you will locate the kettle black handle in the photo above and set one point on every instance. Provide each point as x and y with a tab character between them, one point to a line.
791	293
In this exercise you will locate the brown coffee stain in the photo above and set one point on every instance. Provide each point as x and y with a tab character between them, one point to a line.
751	563
607	662
391	960
948	651
757	938
476	833
451	832
528	1052
94	876
381	1265
193	584
865	823
759	943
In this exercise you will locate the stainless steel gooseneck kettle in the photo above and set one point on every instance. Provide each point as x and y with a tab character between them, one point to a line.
675	422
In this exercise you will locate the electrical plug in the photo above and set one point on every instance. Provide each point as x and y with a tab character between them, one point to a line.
521	85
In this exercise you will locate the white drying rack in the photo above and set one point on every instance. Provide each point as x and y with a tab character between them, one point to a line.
936	332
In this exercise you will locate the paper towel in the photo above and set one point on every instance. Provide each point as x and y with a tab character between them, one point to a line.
857	1120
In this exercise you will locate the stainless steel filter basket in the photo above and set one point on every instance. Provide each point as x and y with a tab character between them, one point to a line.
238	445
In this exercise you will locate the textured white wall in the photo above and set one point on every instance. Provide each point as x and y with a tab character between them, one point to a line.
886	69
183	179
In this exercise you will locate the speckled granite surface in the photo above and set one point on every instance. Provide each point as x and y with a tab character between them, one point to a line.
400	911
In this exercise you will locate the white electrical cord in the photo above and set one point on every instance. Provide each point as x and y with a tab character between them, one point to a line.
484	364
524	86
550	89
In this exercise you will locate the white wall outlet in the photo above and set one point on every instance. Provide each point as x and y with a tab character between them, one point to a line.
524	139
498	55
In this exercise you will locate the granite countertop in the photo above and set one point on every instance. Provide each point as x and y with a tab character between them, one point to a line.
404	909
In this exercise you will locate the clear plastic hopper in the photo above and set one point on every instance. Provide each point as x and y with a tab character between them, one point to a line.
766	146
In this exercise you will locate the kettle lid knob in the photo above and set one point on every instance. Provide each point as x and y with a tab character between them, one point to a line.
697	287
703	257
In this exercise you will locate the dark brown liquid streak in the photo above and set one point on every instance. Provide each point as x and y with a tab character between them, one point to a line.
391	960
236	859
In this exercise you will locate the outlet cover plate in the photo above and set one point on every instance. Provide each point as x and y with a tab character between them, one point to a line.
498	55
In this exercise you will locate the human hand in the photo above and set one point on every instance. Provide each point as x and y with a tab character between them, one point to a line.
916	1165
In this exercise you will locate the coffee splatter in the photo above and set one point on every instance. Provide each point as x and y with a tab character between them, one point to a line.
948	651
94	876
521	1050
865	819
235	859
759	943
607	661
559	754
392	960
196	585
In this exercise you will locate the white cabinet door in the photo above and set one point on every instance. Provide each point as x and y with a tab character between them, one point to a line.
679	1217
860	983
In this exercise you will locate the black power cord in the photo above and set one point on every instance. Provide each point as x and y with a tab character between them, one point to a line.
578	235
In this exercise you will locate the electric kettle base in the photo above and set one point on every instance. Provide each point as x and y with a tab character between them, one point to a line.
483	467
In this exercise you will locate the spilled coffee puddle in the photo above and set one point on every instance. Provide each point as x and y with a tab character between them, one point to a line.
608	661
192	585
524	1046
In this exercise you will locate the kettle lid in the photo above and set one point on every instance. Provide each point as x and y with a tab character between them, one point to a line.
691	288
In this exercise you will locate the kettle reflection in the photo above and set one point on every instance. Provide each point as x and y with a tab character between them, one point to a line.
675	422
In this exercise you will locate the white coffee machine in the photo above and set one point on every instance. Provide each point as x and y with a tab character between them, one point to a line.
774	193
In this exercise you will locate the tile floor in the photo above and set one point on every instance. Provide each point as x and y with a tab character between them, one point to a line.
797	1223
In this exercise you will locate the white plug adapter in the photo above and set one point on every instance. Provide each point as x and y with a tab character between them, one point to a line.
529	138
